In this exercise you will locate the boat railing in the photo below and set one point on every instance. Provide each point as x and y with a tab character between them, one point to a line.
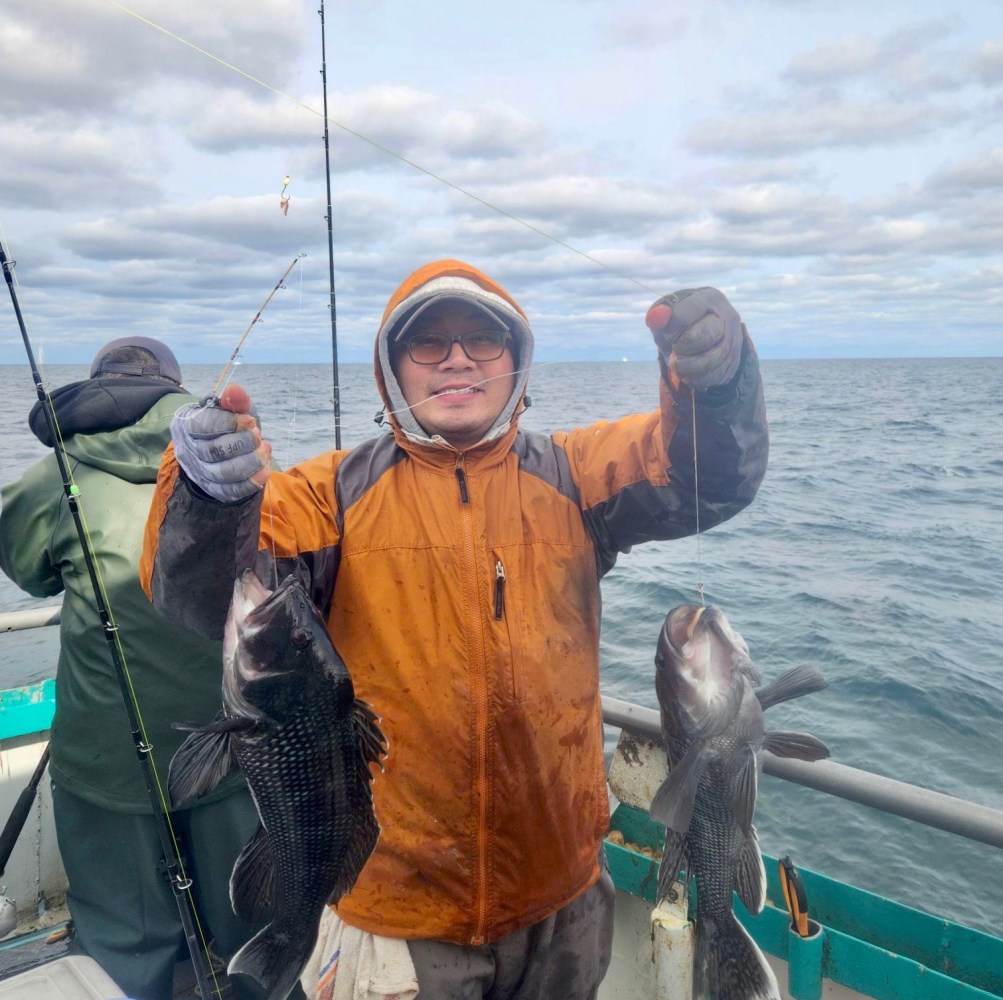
921	805
933	809
15	621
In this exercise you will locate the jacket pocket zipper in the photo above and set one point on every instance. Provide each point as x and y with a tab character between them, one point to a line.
499	590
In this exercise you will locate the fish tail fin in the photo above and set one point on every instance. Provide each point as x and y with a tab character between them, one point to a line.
728	963
275	960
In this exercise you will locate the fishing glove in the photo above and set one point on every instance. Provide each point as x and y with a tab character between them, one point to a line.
702	332
214	455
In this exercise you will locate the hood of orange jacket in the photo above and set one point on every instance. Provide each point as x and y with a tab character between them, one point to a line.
435	282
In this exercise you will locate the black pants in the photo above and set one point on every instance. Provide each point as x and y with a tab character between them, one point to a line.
563	957
125	914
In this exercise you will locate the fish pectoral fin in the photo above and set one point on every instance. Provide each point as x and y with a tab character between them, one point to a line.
750	880
800	746
200	764
241	724
801	680
745	793
252	883
672	805
674	864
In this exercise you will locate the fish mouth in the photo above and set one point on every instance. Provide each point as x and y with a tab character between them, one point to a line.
689	624
684	625
250	615
249	593
705	653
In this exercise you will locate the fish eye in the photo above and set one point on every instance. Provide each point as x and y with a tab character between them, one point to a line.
300	637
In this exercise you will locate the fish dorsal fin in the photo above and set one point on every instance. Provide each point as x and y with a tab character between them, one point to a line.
369	739
252	883
371	747
745	793
674	864
750	879
800	746
672	805
795	682
204	759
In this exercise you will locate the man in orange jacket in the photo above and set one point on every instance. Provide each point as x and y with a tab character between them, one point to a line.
457	562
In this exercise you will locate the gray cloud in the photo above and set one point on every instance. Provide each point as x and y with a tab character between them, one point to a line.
989	62
143	181
980	175
913	56
98	58
76	167
787	130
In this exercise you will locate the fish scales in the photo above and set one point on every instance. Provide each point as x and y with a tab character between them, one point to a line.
304	743
713	728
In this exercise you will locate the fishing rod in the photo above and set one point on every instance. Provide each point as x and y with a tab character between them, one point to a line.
19	814
336	398
175	873
240	343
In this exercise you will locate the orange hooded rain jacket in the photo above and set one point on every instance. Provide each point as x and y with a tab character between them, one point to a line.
462	592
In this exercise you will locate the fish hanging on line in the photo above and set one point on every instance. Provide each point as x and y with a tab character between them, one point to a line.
712	723
284	195
305	743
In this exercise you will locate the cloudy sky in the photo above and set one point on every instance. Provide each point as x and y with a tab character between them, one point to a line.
837	169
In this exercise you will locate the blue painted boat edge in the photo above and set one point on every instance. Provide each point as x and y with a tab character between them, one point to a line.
847	913
28	709
883	949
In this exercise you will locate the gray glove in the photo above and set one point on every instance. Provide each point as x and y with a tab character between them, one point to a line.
214	455
703	332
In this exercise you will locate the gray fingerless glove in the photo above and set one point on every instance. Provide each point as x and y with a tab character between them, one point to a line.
705	334
216	457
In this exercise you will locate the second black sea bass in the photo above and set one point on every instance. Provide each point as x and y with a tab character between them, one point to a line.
292	724
712	723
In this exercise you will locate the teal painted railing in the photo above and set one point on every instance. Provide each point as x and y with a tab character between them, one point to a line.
870	944
27	709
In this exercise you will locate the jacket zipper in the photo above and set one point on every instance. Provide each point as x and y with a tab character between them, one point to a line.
479	688
499	590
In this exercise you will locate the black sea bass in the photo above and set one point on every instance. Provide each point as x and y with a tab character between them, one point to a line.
292	724
712	723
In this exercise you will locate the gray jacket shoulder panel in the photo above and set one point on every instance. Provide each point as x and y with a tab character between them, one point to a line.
539	456
361	468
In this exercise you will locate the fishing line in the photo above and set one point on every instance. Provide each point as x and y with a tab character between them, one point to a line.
386	149
227	371
175	872
447	183
696	497
473	385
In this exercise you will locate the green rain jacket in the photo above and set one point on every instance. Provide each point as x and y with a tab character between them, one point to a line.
114	430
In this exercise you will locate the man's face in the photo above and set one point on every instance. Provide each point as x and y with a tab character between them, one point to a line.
458	399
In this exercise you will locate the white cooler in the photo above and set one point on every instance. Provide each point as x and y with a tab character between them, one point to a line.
73	978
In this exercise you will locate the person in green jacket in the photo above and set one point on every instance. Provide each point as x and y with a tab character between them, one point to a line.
114	427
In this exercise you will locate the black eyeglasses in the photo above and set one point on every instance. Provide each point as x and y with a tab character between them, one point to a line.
478	345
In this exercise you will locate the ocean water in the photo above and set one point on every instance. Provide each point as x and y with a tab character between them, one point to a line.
872	550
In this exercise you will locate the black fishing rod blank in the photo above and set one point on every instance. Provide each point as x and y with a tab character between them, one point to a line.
19	814
336	398
179	883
